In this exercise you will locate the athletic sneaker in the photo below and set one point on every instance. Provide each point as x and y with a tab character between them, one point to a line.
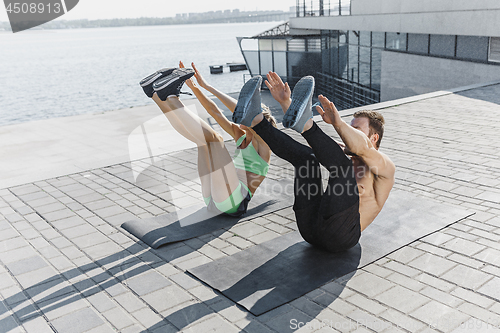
171	84
147	82
300	110
248	105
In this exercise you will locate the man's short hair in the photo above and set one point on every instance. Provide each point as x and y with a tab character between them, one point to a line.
376	123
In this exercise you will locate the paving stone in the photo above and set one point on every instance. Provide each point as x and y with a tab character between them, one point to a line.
38	276
463	246
184	281
440	316
196	261
491	289
239	242
441	296
489	255
129	302
18	254
25	311
118	318
102	250
9	324
147	283
12	295
480	313
378	270
365	320
437	238
432	264
366	304
81	230
26	265
166	298
89	240
79	321
37	325
402	299
466	277
369	284
400	268
405	281
401	321
47	291
213	324
101	302
58	215
289	321
405	254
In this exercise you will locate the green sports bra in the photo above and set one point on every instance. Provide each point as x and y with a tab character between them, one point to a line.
249	160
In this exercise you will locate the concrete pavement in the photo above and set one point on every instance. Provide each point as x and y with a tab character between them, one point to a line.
67	266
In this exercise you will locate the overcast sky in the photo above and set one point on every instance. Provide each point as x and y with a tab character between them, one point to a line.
103	9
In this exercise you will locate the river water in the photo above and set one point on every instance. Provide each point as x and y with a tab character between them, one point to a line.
54	73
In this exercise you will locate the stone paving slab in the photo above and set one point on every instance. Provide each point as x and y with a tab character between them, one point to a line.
66	266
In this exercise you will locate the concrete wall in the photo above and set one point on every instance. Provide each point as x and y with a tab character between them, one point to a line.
447	17
367	7
405	75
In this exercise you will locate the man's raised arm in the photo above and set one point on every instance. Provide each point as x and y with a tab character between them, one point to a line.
356	141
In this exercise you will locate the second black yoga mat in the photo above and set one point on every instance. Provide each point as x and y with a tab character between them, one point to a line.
273	273
196	220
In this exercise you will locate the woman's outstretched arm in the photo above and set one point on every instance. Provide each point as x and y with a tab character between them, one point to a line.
227	100
212	108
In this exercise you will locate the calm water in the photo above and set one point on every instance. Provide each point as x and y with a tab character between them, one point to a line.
59	73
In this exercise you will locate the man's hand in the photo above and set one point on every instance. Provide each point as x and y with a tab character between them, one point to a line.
328	112
280	91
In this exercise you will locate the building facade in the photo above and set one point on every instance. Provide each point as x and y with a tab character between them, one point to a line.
366	51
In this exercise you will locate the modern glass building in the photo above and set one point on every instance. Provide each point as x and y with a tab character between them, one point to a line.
360	66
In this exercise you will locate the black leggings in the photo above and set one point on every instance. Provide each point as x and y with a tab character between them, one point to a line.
328	219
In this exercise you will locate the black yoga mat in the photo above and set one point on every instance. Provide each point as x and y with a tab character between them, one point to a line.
196	220
273	273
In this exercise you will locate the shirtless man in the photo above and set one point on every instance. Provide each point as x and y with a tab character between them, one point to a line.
357	187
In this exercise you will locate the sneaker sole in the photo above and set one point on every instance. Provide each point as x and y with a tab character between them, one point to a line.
301	96
155	76
245	97
179	75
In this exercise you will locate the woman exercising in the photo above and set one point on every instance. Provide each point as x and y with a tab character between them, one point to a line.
227	184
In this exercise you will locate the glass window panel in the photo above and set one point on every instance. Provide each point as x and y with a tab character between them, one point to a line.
364	74
472	47
343	54
250	44
279	44
280	63
494	49
353	63
364	54
252	59
443	45
353	74
353	37
342	36
396	41
376	68
365	38
378	39
418	43
265	44
314	45
266	62
296	45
